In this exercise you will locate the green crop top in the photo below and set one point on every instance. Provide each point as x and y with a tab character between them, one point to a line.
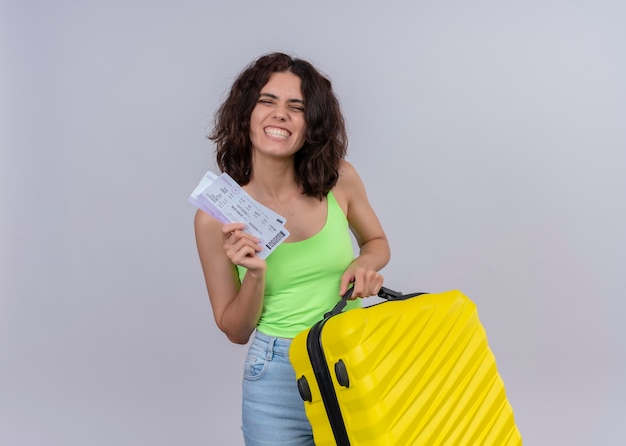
302	278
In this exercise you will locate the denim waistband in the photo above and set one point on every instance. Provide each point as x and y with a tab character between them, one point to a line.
272	344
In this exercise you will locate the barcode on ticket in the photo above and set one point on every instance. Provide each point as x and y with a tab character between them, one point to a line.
277	238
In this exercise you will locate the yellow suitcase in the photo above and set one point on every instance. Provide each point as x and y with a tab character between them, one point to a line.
414	370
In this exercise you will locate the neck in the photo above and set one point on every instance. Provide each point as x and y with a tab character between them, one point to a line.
272	179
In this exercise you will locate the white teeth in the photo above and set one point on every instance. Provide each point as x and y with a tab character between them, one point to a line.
276	132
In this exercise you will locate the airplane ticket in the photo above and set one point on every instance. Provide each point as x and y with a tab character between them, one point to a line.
221	197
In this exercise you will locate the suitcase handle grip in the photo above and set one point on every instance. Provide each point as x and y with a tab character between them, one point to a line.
385	293
390	294
341	304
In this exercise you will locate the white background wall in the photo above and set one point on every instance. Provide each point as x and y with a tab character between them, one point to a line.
491	137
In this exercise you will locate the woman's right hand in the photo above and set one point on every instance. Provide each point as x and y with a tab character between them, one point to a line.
241	248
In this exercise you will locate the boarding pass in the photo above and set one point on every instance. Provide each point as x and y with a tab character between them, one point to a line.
221	197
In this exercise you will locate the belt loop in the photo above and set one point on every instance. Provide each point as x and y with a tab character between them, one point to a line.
270	348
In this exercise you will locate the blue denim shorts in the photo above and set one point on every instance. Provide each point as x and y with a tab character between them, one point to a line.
272	409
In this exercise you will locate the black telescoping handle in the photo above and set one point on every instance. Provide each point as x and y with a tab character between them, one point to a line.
385	293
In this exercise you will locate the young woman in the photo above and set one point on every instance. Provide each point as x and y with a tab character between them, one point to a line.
281	135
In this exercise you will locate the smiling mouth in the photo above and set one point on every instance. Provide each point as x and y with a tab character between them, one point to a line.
277	132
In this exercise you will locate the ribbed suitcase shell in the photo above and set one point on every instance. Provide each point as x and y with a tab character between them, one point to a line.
420	373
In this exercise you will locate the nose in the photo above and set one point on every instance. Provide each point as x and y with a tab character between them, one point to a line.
281	113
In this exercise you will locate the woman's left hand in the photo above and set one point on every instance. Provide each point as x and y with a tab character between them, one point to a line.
367	281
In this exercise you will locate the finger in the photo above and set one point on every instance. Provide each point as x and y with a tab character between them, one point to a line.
367	283
244	245
229	228
236	235
244	253
359	283
377	284
242	256
373	282
233	232
250	261
249	243
346	279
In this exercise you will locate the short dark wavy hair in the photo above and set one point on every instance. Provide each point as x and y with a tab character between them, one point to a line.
317	162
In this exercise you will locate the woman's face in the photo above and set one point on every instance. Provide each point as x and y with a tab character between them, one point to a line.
277	124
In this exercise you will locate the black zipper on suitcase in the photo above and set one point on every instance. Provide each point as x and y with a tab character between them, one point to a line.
325	383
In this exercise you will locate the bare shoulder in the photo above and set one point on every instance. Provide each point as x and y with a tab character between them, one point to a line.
347	173
208	232
352	197
349	185
204	221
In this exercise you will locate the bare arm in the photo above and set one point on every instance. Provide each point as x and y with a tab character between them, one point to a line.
374	247
236	305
